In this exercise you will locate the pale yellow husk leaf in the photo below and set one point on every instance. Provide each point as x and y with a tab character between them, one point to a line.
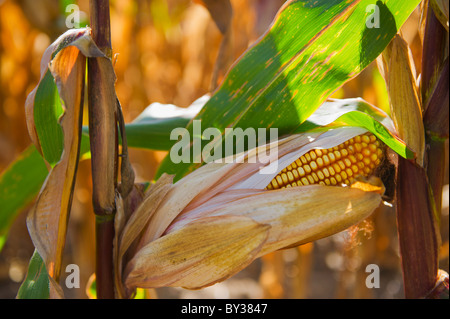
398	70
202	253
207	230
208	248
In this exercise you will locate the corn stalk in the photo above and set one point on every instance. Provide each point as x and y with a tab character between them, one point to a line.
104	146
419	189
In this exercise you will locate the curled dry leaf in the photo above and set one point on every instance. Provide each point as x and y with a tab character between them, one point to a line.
65	59
215	221
81	39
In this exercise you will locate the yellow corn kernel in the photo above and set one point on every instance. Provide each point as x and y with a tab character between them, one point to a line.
331	157
338	165
290	176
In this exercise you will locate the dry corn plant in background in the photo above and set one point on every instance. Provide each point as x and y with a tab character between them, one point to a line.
334	165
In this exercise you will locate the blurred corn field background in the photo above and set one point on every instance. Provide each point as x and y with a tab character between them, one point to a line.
166	51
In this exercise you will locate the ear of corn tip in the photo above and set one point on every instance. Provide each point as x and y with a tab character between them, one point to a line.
339	165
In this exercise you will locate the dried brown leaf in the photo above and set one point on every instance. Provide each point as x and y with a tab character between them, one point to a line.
47	221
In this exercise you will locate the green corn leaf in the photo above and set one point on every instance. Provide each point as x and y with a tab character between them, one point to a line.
152	128
356	112
154	136
312	48
47	110
21	182
37	284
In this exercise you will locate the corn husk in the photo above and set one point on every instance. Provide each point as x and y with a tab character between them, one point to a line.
213	222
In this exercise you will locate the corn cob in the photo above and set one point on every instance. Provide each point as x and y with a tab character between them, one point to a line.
339	165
